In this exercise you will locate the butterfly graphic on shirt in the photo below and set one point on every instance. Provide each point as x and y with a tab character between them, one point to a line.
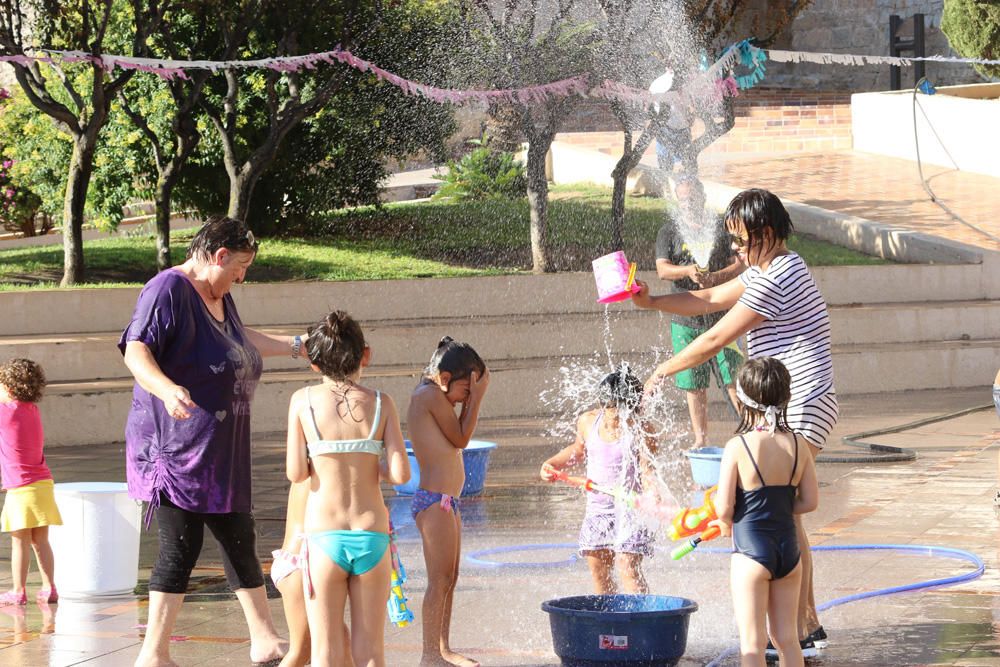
217	368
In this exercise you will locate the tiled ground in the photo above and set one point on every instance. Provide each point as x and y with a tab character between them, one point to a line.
878	188
943	498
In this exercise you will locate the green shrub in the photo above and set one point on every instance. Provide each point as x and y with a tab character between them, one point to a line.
973	30
483	174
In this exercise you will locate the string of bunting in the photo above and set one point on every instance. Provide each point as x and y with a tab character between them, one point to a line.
719	79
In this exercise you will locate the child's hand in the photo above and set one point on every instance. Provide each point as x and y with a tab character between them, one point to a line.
725	528
548	473
479	383
642	298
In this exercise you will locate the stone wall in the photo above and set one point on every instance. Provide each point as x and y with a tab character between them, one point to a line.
862	27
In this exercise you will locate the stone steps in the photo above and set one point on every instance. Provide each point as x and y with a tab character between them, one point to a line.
95	356
55	312
94	411
895	328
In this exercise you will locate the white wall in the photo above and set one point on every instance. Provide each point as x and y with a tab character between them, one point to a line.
966	127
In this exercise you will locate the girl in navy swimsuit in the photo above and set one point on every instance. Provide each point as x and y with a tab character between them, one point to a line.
767	477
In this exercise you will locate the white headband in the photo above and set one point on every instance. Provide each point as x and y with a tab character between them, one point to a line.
770	411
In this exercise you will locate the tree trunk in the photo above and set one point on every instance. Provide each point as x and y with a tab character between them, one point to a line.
81	166
538	202
619	175
164	192
240	190
620	178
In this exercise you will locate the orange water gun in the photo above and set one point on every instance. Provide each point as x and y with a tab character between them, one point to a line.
693	521
587	484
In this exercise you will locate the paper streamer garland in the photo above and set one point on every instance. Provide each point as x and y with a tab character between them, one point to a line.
576	85
719	79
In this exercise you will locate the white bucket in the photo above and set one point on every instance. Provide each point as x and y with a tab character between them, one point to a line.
97	548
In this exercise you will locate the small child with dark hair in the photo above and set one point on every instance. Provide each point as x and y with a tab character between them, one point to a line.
606	437
338	431
455	374
30	507
767	478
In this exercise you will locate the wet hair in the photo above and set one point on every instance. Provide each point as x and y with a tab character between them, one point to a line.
335	345
23	379
458	359
758	210
222	232
766	381
620	389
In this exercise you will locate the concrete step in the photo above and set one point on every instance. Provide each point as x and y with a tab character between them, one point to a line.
623	331
56	312
94	412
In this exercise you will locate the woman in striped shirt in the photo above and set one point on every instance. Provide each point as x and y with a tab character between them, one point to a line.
776	303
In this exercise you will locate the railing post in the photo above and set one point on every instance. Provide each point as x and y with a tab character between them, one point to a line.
898	45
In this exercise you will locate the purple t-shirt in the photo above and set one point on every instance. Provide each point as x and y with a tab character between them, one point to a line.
201	464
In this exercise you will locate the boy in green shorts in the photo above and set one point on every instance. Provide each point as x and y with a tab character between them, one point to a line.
675	262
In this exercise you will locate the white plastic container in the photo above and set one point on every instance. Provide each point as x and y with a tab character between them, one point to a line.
97	548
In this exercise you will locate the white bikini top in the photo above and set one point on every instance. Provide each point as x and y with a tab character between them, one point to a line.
316	446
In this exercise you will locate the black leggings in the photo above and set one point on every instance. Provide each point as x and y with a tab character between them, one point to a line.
181	534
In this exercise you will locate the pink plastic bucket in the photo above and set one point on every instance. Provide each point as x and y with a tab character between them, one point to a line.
611	273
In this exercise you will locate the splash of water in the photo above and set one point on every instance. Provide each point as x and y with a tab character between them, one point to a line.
658	432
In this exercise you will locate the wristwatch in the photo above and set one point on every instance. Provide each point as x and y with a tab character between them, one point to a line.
296	347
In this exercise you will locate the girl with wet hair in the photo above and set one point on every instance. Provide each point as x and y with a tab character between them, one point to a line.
456	359
762	216
456	374
764	381
336	345
606	438
342	439
779	307
756	506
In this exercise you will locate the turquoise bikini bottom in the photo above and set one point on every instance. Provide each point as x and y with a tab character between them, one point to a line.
355	551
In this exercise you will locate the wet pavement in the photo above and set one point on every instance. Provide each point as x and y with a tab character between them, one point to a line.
943	498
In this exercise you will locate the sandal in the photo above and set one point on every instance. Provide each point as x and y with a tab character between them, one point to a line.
48	595
13	598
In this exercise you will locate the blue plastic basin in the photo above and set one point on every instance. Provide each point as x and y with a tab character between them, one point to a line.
619	630
475	457
706	464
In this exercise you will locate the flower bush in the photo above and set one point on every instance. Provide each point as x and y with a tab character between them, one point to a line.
18	205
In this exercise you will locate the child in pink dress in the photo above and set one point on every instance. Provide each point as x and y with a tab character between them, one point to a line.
617	451
30	506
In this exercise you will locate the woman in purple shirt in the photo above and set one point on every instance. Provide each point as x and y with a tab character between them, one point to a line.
188	433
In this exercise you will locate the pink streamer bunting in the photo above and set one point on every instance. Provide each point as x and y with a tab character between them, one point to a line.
577	85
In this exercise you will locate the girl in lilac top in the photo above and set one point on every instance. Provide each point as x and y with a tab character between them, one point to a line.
617	451
187	436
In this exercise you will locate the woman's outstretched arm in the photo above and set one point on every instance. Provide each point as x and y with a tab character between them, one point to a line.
734	324
698	302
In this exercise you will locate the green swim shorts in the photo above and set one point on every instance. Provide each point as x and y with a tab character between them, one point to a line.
728	361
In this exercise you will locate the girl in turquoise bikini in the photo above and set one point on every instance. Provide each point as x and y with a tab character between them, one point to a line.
337	432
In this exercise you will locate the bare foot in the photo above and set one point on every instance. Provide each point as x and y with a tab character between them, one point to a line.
266	652
434	661
459	660
154	661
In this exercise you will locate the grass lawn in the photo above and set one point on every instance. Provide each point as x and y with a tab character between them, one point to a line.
408	240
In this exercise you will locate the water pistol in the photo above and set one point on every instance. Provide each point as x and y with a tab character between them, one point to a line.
634	501
693	522
399	610
630	500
